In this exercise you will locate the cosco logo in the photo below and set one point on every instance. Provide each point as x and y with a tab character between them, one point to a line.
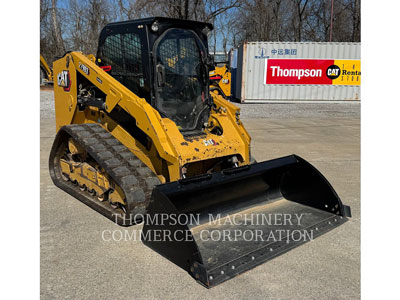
84	68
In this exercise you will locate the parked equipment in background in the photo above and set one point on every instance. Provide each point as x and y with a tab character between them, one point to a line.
220	80
139	136
46	74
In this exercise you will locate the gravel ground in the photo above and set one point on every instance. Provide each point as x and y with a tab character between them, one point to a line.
47	104
76	263
261	110
300	110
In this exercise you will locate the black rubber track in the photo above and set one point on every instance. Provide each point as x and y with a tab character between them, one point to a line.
134	177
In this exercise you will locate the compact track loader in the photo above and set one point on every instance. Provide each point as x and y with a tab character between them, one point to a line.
140	137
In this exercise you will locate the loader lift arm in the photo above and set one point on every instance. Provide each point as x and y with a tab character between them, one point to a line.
46	69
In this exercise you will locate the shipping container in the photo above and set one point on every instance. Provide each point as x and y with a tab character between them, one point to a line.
284	71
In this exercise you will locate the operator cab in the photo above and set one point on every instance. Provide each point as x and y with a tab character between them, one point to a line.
164	61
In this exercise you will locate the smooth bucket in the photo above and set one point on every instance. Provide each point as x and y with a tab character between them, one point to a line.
219	225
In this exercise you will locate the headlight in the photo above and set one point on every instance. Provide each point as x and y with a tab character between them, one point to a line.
154	26
206	30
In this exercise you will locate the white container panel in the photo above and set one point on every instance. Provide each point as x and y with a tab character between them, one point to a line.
252	69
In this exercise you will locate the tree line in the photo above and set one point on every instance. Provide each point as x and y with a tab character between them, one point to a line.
75	24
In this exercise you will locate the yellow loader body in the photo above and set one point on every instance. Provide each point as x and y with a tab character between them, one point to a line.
166	143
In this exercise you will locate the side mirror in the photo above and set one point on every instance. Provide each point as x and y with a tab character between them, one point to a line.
210	61
160	69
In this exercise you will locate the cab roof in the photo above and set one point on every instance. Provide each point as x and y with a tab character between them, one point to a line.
162	20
